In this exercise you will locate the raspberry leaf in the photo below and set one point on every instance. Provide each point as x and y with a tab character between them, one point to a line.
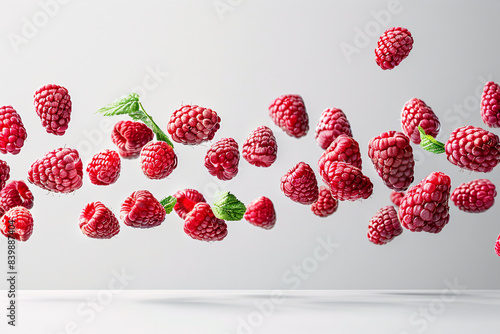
168	203
228	207
429	143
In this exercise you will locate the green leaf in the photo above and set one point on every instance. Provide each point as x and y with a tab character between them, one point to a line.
168	203
228	207
429	143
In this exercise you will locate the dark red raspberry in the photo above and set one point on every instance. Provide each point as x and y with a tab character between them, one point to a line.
130	137
393	46
222	159
60	170
490	105
392	156
98	222
142	210
17	223
201	224
53	106
300	184
186	200
4	173
261	213
497	246
16	193
425	206
384	226
12	131
416	113
396	197
332	123
474	196
473	149
347	182
104	168
343	148
289	113
260	148
192	125
326	204
158	160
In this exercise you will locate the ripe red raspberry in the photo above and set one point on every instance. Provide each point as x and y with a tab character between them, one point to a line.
343	148
326	204
416	113
186	200
142	210
384	226
289	113
17	223
396	197
497	246
332	123
4	173
16	193
130	137
425	206
192	125
60	170
104	168
490	105
158	160
12	131
261	213
222	159
473	149
347	182
98	222
201	224
392	156
300	184
260	148
53	106
393	46
474	196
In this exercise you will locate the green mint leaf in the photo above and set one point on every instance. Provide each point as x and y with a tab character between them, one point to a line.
429	143
228	207
168	203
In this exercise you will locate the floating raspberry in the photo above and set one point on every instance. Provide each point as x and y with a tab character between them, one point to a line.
347	182
15	193
142	210
425	206
289	113
261	213
396	197
326	204
60	171
474	196
201	224
4	173
392	47
222	159
98	222
130	137
186	200
53	106
332	123
343	148
300	184
158	160
192	125
260	148
497	246
12	131
490	105
384	226
17	223
416	113
104	168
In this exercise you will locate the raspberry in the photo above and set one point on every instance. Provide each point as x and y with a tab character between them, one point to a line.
12	131
16	193
384	226
201	224
192	125
142	210
474	196
53	106
104	168
261	213
158	160
98	222
396	197
186	200
260	148
425	206
392	47
416	113
497	246
392	156
222	159
4	173
130	137
300	184
326	204
347	182
473	149
490	105
60	171
289	113
343	148
332	123
17	223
